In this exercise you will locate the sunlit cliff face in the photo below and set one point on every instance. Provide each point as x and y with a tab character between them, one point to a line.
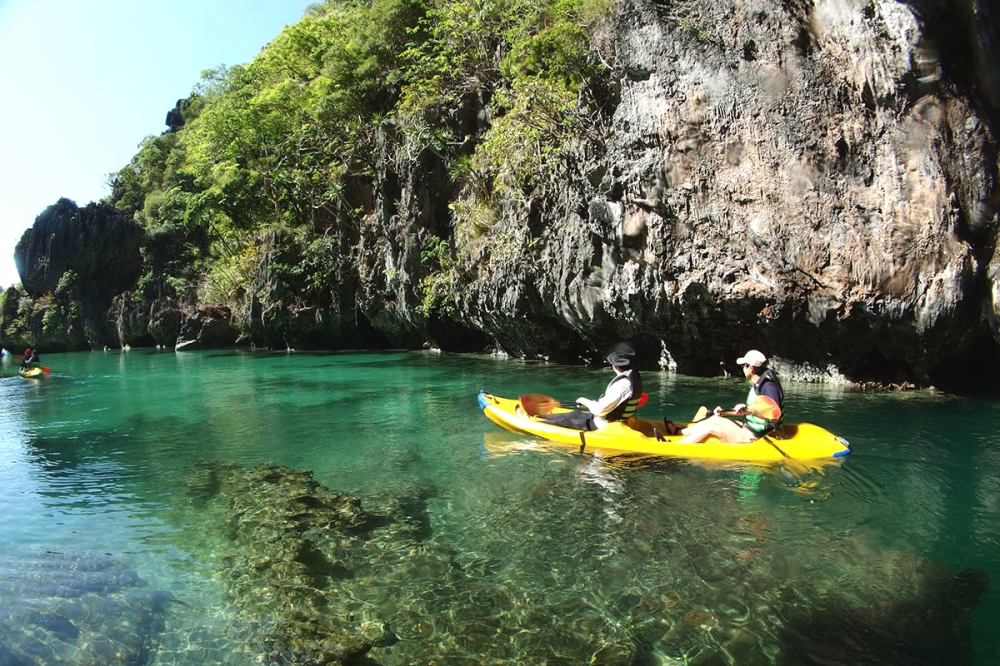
803	180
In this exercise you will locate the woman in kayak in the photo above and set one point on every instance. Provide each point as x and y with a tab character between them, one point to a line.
763	382
620	399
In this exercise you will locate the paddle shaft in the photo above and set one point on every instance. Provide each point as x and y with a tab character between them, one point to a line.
642	400
771	442
703	414
756	408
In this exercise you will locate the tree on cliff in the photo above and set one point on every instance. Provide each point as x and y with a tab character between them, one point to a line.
288	147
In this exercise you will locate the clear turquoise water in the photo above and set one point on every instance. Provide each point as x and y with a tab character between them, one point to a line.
561	555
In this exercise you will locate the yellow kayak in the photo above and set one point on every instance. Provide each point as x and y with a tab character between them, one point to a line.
800	441
31	372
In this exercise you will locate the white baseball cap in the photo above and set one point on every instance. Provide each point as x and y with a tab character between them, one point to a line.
752	357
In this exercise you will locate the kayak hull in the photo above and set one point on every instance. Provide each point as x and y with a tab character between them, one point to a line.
31	372
800	441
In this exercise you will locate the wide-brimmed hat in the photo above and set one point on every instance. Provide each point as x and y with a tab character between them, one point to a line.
752	357
622	355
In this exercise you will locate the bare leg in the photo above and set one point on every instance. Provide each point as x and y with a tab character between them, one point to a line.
715	426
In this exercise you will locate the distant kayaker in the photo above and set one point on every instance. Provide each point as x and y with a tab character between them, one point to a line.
619	401
763	382
30	357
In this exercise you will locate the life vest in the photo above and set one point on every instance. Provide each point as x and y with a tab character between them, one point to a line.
755	423
627	408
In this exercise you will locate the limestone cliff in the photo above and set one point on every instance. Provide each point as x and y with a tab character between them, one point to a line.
814	180
72	263
818	180
97	243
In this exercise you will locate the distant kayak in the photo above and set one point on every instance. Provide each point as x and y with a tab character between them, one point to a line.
801	441
31	372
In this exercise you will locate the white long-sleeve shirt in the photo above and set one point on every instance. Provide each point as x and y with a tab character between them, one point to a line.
615	394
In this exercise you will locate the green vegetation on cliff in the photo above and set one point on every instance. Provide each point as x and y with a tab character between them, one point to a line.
265	195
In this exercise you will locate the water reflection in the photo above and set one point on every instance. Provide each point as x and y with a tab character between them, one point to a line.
18	490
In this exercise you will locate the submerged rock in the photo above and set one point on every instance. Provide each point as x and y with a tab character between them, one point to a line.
76	609
572	569
293	546
864	621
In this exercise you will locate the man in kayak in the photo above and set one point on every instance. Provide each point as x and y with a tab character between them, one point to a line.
763	382
620	399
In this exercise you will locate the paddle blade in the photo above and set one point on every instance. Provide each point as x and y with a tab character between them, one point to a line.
765	407
536	404
642	400
700	414
45	370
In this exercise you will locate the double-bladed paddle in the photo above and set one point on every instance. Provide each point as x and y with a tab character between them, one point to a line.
538	404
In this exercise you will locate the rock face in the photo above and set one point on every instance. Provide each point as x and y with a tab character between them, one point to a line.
98	243
798	180
73	263
208	328
803	178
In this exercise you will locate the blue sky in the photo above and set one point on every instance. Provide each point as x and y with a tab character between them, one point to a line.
83	82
